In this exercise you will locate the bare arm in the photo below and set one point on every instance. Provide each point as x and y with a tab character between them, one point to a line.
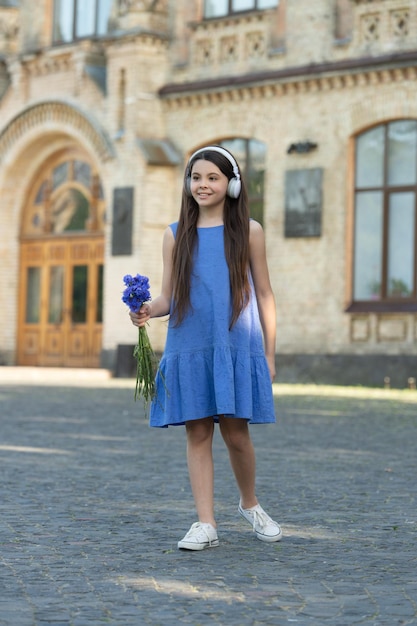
161	305
263	290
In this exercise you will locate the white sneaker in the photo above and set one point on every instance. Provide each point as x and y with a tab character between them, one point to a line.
263	526
200	536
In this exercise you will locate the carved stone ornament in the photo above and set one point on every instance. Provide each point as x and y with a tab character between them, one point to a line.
9	31
370	27
400	23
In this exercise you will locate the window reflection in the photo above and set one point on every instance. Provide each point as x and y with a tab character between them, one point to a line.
99	310
59	175
56	294
104	10
368	248
242	5
82	173
370	158
79	294
256	168
216	8
402	152
85	18
69	211
40	196
401	245
33	295
63	20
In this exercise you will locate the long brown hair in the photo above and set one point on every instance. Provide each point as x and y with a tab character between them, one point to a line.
236	243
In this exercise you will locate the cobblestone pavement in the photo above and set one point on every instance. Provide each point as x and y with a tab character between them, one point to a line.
93	502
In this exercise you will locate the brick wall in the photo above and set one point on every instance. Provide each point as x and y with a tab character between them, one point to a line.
310	276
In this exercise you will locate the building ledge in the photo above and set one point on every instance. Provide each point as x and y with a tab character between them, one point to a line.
346	66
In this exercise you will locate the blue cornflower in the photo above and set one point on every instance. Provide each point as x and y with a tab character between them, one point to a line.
137	291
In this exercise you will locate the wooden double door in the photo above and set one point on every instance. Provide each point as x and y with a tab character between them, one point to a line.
61	301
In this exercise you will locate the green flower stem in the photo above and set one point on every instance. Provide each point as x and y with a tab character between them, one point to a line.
146	367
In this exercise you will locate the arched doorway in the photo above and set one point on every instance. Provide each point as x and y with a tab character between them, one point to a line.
61	265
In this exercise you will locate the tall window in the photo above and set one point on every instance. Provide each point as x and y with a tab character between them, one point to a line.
251	156
385	230
219	8
76	19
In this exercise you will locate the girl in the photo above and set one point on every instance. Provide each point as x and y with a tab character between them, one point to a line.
219	358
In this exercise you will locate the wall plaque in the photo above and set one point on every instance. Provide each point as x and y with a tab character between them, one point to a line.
303	202
122	221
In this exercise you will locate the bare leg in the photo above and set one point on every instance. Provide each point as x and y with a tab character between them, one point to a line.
235	433
200	467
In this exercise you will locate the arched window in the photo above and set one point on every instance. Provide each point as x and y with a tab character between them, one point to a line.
251	156
385	222
67	198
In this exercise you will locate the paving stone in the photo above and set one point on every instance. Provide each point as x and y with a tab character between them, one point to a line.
93	502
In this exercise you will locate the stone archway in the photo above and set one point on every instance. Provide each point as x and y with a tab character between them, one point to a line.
51	156
60	115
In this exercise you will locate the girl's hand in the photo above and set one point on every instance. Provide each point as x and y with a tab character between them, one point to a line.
271	367
141	317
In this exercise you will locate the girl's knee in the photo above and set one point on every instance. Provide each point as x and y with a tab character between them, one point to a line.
235	433
200	430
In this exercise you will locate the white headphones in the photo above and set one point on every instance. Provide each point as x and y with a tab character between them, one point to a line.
234	186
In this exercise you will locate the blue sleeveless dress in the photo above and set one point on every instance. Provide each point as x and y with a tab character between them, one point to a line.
206	369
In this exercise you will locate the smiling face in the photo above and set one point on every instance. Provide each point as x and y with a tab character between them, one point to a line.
208	185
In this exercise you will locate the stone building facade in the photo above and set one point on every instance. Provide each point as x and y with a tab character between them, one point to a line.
102	101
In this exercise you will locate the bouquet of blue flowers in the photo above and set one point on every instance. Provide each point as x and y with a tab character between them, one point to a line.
136	293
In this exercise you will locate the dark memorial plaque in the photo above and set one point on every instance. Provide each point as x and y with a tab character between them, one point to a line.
122	221
303	202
